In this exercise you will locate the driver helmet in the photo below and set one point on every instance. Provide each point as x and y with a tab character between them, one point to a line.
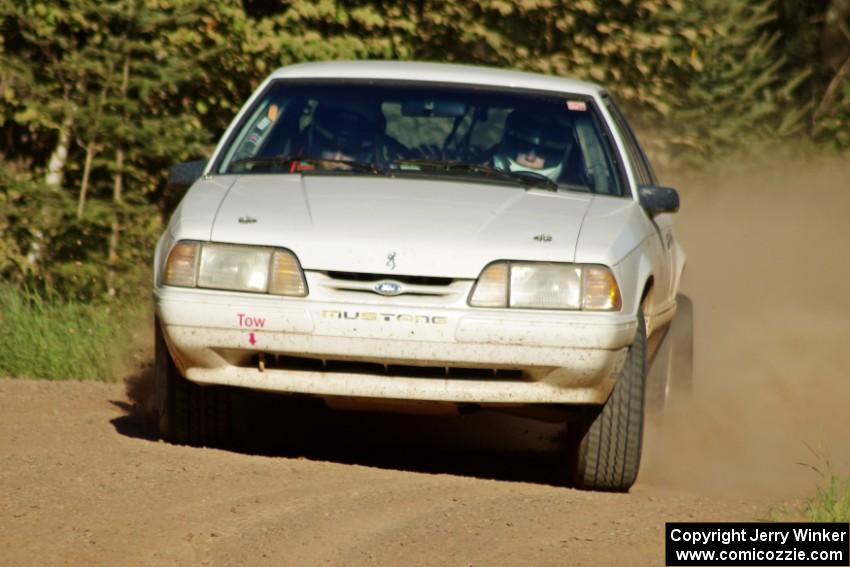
344	130
535	142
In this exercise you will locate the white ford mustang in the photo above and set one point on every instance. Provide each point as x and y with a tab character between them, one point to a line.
439	236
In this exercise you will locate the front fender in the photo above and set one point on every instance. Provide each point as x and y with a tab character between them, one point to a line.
635	276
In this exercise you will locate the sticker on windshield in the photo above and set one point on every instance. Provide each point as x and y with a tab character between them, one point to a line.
577	105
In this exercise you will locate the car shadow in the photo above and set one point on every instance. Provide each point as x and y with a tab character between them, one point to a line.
483	444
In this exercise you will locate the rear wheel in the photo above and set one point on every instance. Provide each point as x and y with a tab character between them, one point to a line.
672	372
189	414
659	378
607	441
682	363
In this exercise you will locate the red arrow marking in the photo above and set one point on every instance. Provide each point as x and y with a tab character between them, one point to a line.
251	339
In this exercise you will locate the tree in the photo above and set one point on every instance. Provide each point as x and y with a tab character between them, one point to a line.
122	80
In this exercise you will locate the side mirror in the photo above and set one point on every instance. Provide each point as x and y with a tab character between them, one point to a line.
657	200
182	175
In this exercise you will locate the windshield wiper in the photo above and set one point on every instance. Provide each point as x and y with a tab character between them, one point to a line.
350	163
288	161
524	178
282	161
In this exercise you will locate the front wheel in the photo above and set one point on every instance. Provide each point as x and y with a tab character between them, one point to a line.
189	414
607	441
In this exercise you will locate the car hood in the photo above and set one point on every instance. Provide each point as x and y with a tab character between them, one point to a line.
403	226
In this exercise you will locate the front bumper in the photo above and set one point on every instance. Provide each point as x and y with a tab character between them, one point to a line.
550	357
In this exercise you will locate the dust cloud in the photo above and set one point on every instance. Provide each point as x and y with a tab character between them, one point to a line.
768	270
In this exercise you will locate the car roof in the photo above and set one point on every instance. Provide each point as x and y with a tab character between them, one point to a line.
438	73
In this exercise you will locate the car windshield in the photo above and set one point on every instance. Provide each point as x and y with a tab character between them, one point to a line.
552	141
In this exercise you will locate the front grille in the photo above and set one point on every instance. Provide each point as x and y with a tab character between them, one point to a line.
411	280
286	362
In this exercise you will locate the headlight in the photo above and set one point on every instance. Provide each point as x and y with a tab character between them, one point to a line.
239	268
235	267
545	286
540	285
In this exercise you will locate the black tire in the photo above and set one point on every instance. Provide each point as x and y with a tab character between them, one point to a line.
682	364
607	441
189	414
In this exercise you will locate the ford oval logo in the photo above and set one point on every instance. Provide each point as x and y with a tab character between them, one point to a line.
388	288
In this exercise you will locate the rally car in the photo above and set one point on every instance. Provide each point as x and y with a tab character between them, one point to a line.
406	235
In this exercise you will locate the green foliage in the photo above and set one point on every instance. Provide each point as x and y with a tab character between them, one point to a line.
816	41
121	80
42	336
831	502
29	213
44	246
739	92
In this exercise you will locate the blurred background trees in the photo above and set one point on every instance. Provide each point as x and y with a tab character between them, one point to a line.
99	97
